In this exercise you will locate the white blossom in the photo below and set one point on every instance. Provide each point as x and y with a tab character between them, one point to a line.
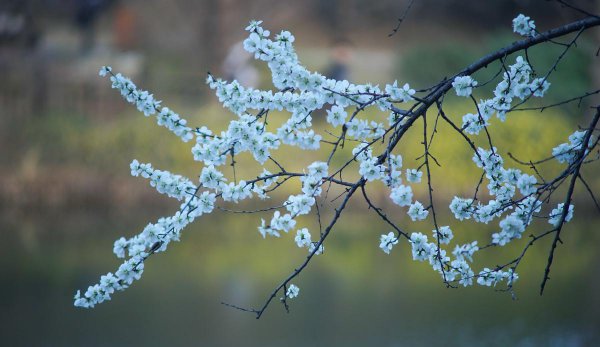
465	252
463	85
303	238
299	204
523	25
370	170
567	152
282	222
313	246
420	248
556	214
401	195
387	242
336	116
526	184
292	291
119	247
443	234
416	211
401	94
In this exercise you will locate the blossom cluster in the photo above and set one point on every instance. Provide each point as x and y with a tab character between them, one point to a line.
174	186
297	205
518	82
155	237
568	152
524	25
147	104
463	85
503	186
503	183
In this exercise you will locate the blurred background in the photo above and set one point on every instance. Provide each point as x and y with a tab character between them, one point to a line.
66	141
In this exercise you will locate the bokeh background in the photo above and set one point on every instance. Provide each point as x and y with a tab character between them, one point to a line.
66	140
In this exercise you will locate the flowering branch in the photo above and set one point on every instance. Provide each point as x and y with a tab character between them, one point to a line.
564	215
515	197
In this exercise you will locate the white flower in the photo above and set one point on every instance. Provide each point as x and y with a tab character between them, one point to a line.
311	185
413	175
564	153
568	152
465	252
473	123
437	259
282	222
523	25
104	70
292	291
403	94
303	238
265	229
388	241
253	43
312	247
362	152
488	277
286	37
81	302
462	208
512	226
211	177
119	247
503	90
500	238
370	170
318	169
463	85
175	186
401	195
336	115
539	86
236	192
522	90
358	129
526	184
444	233
464	270
556	214
392	179
395	161
520	72
417	212
135	168
254	25
299	204
420	248
109	283
486	109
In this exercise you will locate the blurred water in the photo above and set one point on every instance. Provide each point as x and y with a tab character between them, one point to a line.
354	295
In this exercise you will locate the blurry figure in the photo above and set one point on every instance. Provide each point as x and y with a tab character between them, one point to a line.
124	27
17	26
85	17
238	66
341	52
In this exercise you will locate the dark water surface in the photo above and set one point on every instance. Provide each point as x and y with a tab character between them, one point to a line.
354	295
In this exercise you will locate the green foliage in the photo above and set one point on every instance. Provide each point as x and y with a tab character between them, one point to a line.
110	147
